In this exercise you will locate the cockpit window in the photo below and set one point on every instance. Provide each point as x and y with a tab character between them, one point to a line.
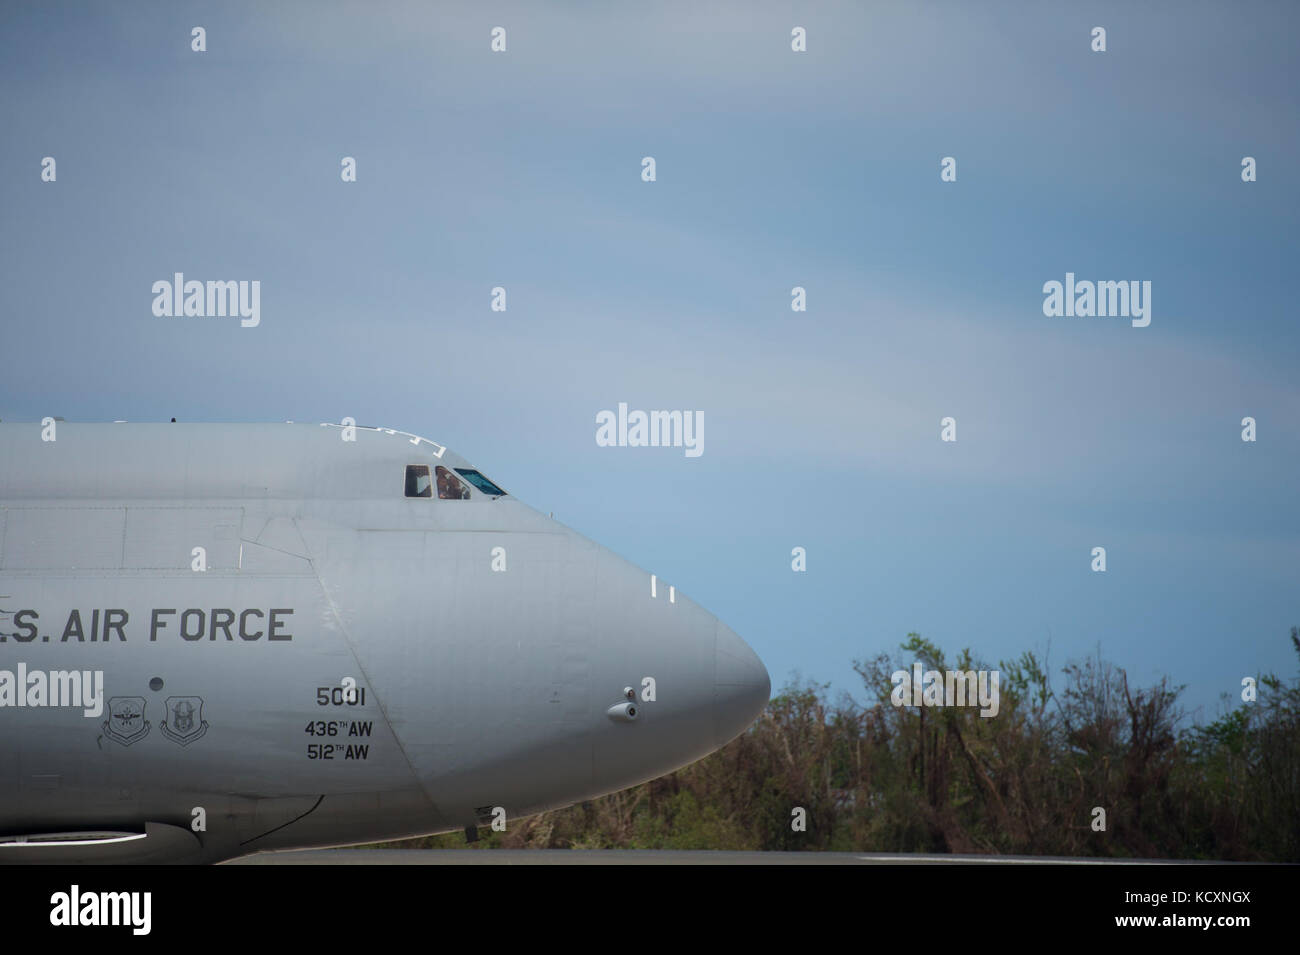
417	481
450	487
480	482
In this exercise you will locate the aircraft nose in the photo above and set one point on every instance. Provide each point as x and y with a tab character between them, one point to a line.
741	685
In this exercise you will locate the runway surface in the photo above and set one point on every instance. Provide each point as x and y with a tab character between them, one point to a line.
646	857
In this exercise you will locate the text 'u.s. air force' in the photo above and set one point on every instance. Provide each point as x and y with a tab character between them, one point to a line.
192	625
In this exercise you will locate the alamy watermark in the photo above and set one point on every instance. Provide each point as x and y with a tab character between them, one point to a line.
1103	299
73	688
654	429
949	688
193	299
132	910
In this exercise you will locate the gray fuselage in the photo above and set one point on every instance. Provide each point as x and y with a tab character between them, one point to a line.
293	652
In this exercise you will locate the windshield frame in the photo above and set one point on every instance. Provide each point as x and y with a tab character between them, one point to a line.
488	487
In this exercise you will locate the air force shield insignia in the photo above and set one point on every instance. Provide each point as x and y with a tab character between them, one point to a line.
126	722
184	723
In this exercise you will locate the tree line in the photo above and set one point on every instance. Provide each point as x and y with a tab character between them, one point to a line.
1096	768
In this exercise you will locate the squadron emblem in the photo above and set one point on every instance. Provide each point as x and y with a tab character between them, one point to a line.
185	716
126	722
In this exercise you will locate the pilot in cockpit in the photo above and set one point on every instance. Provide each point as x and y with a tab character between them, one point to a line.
449	486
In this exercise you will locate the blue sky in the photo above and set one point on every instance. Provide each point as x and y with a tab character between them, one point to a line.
775	169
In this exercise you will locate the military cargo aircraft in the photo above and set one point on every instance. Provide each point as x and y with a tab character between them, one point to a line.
221	639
